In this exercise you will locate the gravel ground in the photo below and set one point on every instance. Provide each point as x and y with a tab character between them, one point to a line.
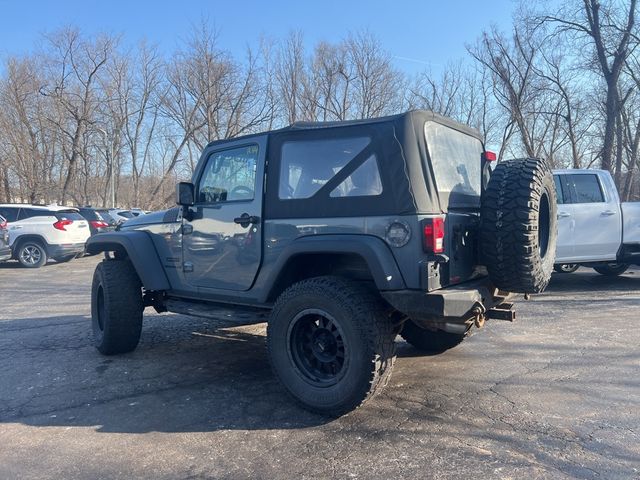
554	395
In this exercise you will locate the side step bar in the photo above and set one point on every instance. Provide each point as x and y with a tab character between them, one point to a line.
223	316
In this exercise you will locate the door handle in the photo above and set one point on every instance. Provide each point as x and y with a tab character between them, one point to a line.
563	214
608	213
245	220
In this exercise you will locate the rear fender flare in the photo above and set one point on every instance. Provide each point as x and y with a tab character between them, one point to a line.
375	252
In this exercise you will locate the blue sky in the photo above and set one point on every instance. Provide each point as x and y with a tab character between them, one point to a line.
419	34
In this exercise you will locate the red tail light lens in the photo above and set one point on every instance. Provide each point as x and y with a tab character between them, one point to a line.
3	225
433	235
98	224
490	156
60	224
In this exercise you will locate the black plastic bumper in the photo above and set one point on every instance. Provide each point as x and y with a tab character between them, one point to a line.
5	253
65	250
452	302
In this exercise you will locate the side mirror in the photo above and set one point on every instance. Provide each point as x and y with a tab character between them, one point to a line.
185	194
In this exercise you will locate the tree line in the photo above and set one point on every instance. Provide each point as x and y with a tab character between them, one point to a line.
84	118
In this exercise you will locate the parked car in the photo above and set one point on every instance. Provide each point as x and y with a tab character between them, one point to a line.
38	232
121	215
138	211
5	249
97	222
104	213
355	232
594	229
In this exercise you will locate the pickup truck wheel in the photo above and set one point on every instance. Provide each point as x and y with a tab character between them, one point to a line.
116	307
519	226
31	254
612	269
429	341
566	267
330	344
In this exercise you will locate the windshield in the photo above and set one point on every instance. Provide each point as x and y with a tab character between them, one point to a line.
455	158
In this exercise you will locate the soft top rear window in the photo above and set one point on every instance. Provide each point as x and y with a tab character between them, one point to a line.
455	158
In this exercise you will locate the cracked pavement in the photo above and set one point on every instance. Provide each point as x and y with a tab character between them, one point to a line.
554	395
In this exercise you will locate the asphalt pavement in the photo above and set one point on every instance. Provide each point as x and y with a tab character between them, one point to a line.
555	395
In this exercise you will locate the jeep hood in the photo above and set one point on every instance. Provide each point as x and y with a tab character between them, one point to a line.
162	216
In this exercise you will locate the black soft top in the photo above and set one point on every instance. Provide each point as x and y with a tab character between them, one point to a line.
400	147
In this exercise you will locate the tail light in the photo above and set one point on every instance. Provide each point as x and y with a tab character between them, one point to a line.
489	156
433	235
60	224
98	224
3	225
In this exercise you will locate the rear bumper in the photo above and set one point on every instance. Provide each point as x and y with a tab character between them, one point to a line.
65	249
457	304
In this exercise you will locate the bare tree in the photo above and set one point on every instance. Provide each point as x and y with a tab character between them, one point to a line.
608	29
74	66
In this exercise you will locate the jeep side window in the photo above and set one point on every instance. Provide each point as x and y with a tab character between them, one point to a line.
306	165
230	175
364	181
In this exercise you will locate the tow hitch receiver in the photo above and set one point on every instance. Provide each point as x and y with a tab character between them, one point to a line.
504	311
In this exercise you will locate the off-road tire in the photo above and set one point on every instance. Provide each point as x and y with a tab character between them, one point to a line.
566	267
519	226
612	269
367	333
116	307
23	255
429	341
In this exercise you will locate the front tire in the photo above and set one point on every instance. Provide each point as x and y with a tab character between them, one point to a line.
116	307
429	341
32	254
612	269
331	344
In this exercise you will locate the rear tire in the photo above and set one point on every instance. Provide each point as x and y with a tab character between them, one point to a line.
612	269
429	341
32	254
331	344
566	267
519	225
116	307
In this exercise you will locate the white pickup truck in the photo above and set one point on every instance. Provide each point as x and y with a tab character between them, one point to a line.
594	228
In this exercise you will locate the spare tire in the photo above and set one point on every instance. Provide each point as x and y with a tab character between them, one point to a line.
518	225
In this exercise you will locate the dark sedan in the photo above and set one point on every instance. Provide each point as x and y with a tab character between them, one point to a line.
98	223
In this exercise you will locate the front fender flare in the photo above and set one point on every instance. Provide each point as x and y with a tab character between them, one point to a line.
140	250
